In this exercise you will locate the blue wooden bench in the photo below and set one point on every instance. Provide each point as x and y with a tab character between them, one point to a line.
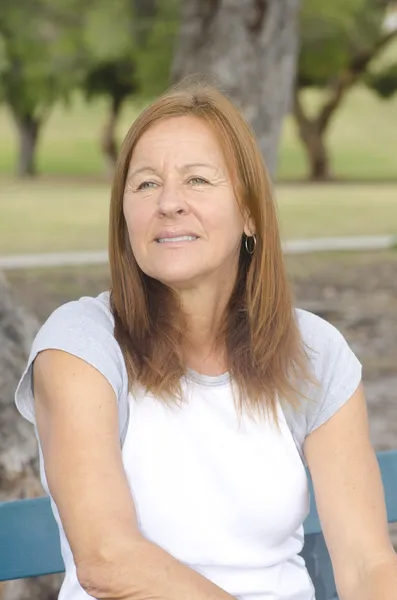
29	541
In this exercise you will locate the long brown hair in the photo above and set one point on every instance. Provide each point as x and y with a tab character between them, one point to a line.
265	354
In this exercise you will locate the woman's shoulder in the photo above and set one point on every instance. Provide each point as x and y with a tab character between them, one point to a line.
86	310
83	328
315	330
332	360
334	367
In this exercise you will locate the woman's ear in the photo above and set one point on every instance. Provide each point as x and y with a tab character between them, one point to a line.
249	227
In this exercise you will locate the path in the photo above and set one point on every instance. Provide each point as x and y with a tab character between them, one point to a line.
305	246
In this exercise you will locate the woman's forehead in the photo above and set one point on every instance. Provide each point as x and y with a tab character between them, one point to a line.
188	136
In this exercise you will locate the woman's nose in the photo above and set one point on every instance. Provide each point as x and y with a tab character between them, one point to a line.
171	200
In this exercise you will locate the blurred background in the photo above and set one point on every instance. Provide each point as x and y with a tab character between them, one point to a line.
318	82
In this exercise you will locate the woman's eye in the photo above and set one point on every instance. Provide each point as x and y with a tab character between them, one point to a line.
197	180
146	184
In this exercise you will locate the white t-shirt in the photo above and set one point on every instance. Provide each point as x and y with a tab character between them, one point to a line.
224	495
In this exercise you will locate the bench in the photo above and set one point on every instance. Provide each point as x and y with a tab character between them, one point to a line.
29	541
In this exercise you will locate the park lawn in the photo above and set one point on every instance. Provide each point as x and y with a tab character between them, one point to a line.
362	139
57	215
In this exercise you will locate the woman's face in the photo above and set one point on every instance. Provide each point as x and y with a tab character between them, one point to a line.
183	220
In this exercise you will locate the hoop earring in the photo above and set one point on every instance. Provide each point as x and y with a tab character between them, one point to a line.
250	248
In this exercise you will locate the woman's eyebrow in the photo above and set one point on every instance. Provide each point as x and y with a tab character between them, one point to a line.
184	168
145	169
190	166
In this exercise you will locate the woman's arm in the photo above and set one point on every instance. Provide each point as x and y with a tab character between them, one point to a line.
351	506
77	420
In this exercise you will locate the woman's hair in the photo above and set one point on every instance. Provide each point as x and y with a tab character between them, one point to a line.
265	355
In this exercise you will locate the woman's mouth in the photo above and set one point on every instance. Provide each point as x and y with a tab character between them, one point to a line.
179	238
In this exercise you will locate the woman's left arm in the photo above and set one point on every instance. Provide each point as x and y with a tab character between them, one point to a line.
351	506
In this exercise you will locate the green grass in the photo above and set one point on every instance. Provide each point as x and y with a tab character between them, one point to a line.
52	216
57	215
362	139
337	210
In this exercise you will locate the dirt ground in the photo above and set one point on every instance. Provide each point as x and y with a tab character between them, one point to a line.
357	292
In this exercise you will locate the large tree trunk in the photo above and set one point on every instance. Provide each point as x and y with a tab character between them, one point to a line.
18	450
28	130
109	144
250	48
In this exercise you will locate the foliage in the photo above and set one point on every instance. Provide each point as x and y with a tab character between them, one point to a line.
111	77
94	43
384	83
332	33
40	53
130	44
154	50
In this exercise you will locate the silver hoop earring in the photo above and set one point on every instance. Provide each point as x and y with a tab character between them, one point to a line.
250	247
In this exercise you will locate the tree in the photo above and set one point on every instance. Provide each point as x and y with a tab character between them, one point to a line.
250	48
40	58
134	60
155	34
340	41
116	80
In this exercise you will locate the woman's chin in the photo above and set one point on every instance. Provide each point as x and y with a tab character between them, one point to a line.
178	278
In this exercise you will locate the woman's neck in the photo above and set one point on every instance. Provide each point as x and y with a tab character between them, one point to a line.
203	349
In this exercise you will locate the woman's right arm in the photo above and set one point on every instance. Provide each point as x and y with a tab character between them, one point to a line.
77	421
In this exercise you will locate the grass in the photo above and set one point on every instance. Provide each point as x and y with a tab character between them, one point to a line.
337	210
52	216
57	215
362	139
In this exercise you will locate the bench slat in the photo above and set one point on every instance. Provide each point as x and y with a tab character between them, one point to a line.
29	539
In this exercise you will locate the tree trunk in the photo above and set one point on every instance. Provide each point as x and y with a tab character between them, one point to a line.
249	47
313	140
109	144
318	156
19	468
28	130
312	134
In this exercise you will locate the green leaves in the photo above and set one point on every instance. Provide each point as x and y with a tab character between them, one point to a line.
40	54
384	83
154	51
333	33
107	31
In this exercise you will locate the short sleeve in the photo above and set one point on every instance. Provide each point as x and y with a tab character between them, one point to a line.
334	365
83	328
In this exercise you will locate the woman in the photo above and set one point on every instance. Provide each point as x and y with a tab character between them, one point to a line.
230	391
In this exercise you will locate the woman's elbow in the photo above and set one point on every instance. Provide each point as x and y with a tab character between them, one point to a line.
115	576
